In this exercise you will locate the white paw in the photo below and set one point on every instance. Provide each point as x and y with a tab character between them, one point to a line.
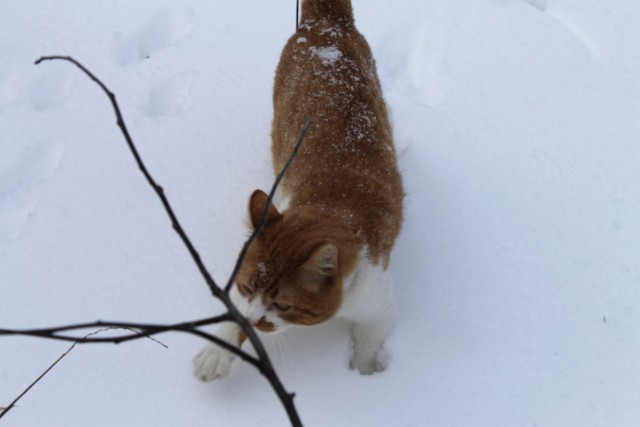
366	365
212	363
367	358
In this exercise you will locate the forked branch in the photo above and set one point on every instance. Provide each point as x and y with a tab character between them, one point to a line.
3	411
262	362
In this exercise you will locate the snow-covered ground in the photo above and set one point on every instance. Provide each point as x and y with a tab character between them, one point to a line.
517	273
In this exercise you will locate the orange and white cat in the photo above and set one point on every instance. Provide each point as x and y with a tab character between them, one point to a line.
325	252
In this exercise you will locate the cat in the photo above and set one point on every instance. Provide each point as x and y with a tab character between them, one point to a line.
324	253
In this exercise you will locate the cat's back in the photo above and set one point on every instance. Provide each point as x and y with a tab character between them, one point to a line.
347	160
327	70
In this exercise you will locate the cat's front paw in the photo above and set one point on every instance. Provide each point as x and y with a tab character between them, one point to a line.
212	363
368	355
365	364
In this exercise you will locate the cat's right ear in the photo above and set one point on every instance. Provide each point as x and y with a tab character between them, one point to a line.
257	203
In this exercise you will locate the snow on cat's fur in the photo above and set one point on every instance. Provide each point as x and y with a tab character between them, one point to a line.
327	254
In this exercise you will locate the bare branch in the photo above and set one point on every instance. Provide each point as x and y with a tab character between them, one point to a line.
263	362
4	411
265	210
157	188
142	330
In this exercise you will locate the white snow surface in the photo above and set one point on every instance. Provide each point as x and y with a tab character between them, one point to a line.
517	273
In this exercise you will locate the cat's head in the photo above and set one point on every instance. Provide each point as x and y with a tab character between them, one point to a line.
294	271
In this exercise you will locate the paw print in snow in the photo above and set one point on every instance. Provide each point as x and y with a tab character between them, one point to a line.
9	88
414	71
165	29
416	63
173	96
562	14
19	187
539	4
50	87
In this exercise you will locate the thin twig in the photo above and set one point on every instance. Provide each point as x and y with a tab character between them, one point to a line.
128	328
4	411
265	210
142	330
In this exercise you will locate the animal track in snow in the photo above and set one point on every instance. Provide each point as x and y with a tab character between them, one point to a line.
562	17
580	33
50	88
9	88
165	29
419	68
173	96
555	11
538	4
415	75
415	71
19	187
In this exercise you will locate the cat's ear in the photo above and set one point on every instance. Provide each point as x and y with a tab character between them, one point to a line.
321	266
324	259
256	205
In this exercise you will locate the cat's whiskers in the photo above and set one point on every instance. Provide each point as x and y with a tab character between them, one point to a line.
300	346
276	347
287	358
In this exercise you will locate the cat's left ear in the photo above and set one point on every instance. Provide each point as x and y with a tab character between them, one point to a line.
256	205
324	260
321	266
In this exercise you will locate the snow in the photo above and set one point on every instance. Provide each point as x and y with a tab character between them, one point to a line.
328	54
517	273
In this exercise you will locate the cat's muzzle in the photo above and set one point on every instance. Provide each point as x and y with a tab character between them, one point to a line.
264	325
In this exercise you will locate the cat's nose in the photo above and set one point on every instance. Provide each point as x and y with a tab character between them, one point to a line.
264	325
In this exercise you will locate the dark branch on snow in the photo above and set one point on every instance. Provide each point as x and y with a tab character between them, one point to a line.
262	362
3	411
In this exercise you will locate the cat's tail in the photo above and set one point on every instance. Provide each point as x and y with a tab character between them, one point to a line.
332	10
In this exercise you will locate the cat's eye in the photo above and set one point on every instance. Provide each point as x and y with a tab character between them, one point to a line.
244	289
282	307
